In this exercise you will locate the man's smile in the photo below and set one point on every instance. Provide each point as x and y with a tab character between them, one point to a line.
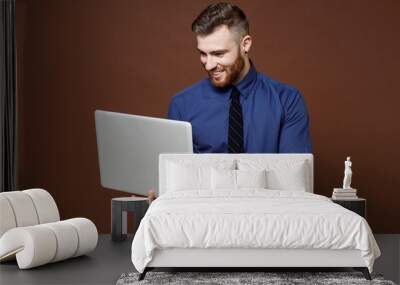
217	74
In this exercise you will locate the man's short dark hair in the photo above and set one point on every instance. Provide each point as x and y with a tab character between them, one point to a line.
221	14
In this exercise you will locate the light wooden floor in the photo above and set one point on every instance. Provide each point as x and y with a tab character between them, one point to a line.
111	259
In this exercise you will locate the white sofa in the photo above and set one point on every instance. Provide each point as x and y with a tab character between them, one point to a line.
31	231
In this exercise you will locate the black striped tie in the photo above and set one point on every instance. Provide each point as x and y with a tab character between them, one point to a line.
235	132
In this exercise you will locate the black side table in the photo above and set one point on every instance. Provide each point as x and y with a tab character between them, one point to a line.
358	205
119	209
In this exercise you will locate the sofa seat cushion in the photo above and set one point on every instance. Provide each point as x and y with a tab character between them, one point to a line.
40	244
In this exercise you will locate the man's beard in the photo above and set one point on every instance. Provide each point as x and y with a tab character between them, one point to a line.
232	73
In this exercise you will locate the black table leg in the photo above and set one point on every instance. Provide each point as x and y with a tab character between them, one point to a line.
118	222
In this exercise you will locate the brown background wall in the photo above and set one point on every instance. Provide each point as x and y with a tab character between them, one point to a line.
132	56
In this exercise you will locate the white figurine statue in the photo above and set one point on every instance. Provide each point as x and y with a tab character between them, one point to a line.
347	174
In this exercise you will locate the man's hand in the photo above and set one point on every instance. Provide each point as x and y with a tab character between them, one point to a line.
151	195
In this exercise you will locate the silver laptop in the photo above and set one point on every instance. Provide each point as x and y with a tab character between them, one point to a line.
129	146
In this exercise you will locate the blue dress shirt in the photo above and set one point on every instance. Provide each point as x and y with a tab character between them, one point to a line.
275	118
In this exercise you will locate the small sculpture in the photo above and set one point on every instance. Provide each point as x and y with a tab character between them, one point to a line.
347	174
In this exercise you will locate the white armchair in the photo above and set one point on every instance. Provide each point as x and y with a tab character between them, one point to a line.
31	230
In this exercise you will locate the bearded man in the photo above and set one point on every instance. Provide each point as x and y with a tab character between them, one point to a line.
237	109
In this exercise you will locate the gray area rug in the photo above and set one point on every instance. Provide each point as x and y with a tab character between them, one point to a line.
231	278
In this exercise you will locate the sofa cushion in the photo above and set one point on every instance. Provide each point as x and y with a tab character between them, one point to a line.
23	208
45	205
40	244
7	219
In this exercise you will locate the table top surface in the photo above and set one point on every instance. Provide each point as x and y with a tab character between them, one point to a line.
349	199
131	198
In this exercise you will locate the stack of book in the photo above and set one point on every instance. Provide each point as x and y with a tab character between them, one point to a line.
344	194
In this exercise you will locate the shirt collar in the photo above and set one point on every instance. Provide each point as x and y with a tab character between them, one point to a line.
244	86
